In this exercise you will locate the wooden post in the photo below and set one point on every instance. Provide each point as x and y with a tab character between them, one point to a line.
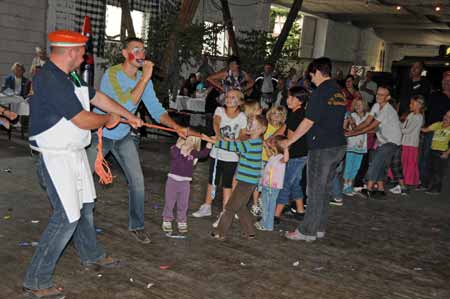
229	24
127	22
292	16
187	12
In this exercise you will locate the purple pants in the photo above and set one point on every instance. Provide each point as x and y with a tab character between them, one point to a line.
176	192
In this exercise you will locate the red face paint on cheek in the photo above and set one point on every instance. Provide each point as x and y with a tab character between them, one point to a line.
131	56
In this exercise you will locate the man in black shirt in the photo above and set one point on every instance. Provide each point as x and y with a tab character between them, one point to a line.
326	143
437	105
415	85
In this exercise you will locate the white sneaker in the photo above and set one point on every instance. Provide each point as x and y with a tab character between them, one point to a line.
236	216
396	190
255	210
167	226
216	223
204	211
182	227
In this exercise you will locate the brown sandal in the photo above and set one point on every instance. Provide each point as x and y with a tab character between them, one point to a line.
32	294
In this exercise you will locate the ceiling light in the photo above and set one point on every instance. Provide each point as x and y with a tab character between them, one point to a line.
437	8
398	7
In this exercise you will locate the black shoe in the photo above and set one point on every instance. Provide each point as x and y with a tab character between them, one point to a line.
297	216
433	192
276	220
379	195
141	236
421	188
367	193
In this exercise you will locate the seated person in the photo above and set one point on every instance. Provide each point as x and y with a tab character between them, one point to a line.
17	82
189	86
6	117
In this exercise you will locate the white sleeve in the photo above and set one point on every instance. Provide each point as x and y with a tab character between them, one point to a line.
375	109
243	121
219	111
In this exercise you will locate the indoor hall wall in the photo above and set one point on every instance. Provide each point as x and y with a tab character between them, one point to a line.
22	28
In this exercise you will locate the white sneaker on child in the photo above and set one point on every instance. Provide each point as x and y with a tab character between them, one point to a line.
255	210
216	223
203	211
396	190
167	226
182	227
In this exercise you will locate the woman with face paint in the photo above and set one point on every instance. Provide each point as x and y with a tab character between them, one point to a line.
229	123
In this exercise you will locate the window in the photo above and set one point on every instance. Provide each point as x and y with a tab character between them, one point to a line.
215	41
113	22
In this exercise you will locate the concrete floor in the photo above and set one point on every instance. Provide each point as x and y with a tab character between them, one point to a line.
397	248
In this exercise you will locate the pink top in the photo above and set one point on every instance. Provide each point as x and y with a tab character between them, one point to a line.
273	176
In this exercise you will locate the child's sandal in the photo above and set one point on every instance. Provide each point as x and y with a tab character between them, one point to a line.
217	236
249	237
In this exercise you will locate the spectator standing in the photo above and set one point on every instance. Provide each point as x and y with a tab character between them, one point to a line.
368	89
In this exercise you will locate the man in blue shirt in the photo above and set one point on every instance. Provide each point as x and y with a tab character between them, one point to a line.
128	86
326	143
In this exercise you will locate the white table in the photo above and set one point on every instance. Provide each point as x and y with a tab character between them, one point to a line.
192	105
188	103
16	104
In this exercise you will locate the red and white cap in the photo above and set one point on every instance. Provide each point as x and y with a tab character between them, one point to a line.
66	38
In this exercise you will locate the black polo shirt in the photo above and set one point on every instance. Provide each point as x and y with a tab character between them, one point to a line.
54	98
326	109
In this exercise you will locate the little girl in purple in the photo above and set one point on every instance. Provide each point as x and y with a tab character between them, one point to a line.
183	156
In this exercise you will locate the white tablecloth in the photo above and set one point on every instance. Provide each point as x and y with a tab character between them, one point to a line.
187	103
18	104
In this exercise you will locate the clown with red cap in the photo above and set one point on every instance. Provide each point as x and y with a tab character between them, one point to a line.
60	129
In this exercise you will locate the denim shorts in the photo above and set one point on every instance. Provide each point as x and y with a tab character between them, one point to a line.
292	188
381	159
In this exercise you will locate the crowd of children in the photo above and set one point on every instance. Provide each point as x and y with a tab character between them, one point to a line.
250	161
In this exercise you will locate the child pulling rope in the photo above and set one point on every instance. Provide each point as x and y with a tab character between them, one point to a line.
101	165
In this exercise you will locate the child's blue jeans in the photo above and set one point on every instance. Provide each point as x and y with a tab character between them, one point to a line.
269	201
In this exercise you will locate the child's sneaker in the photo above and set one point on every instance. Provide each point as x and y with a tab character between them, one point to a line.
182	227
259	226
203	211
255	210
348	190
337	202
167	226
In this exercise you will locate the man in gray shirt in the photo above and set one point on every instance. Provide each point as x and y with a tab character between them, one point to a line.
384	119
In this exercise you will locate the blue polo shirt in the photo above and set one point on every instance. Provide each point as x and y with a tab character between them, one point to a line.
118	86
54	98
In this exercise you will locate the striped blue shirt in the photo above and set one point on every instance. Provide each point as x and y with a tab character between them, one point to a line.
249	166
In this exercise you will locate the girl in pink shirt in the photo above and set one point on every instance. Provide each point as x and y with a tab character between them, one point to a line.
272	181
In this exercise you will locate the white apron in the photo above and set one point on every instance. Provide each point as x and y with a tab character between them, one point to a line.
63	150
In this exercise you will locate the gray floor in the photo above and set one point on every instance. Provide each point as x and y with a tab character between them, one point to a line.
398	248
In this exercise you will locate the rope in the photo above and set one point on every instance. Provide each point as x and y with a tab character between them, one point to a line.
213	185
102	168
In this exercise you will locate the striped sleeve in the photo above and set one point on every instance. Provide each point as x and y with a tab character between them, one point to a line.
113	73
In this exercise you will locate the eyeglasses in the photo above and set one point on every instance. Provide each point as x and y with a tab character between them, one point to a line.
138	50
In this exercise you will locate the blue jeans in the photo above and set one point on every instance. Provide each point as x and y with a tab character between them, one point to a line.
336	188
56	236
322	165
352	164
425	151
291	184
126	154
269	201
